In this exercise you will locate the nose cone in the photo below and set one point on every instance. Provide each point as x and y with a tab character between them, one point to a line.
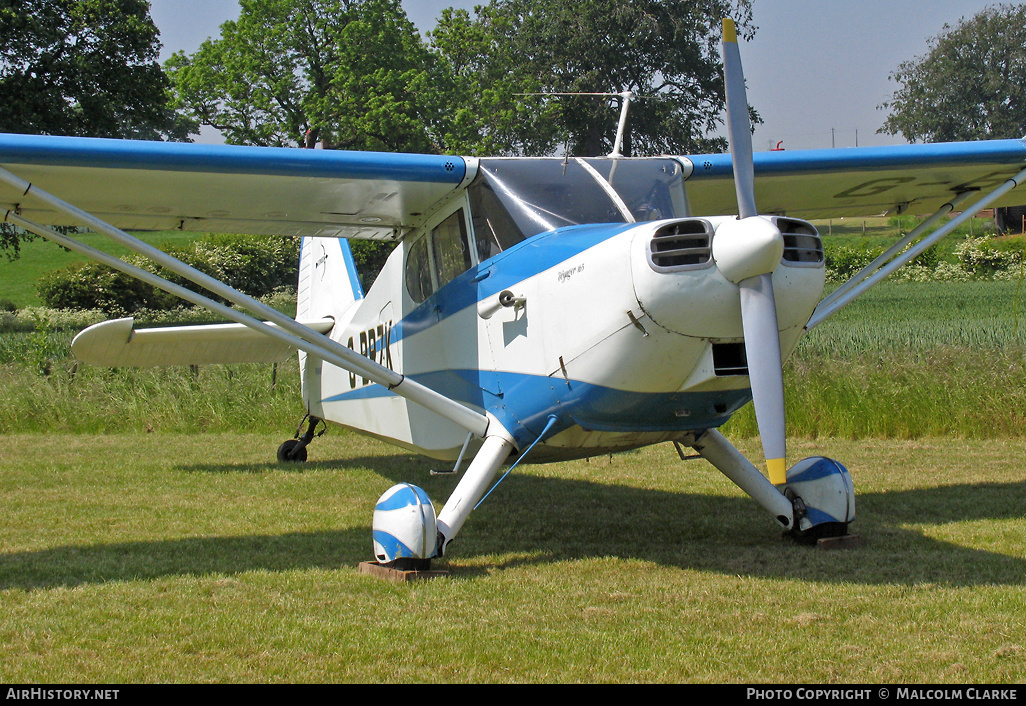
747	247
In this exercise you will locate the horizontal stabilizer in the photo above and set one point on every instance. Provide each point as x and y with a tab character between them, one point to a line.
116	344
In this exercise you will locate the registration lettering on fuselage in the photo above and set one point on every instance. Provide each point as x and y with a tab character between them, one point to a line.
374	344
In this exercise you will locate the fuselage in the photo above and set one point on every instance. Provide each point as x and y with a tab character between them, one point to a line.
577	290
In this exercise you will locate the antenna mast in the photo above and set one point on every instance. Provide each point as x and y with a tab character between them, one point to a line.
625	102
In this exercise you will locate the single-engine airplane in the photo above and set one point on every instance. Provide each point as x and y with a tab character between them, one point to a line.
534	308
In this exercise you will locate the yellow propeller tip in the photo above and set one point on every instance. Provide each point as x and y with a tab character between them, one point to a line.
729	30
777	468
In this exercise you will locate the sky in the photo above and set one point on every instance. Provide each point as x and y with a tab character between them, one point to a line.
817	70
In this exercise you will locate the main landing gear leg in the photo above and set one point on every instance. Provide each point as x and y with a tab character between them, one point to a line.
406	532
471	488
714	447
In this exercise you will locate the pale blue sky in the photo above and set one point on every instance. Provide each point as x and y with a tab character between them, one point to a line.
816	70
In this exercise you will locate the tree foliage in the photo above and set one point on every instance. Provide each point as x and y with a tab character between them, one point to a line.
666	53
350	74
83	68
355	74
970	85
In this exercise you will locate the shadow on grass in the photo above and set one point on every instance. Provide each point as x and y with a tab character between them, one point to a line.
552	520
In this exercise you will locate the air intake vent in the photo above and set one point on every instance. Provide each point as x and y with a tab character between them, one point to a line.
802	244
729	359
681	245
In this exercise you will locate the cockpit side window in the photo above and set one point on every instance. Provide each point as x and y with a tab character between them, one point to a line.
438	257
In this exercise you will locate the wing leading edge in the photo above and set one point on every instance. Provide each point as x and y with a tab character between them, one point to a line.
138	185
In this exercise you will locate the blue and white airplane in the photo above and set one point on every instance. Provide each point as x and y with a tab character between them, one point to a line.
533	309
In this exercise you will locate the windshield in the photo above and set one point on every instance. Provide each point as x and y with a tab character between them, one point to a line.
513	199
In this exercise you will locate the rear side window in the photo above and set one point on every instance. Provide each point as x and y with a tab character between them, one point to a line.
418	271
452	256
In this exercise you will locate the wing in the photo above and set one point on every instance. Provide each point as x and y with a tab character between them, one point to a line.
137	185
860	181
116	343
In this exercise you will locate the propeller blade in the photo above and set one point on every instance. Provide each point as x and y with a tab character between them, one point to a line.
758	308
765	370
739	124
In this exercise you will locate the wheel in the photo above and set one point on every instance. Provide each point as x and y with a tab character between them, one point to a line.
291	452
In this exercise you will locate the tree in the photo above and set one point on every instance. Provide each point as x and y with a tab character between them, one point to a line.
969	86
667	53
81	68
349	74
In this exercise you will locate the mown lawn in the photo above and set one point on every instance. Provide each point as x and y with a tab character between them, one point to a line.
132	558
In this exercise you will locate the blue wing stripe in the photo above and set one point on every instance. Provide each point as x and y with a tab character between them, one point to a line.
228	159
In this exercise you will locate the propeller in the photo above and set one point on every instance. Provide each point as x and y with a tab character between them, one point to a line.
747	253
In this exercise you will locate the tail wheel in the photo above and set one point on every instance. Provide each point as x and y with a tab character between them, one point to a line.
292	451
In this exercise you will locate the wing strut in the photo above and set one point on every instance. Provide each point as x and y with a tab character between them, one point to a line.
289	331
877	270
895	249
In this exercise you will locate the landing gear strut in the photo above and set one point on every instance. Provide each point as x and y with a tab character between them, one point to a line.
405	525
294	450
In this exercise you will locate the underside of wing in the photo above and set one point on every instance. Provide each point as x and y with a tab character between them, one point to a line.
138	185
116	343
861	181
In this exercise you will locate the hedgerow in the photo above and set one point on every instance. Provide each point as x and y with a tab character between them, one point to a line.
974	259
254	265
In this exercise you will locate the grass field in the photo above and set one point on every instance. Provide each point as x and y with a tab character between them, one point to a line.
906	361
178	558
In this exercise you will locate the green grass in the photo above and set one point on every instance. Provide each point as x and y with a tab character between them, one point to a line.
90	400
206	562
905	361
911	360
924	316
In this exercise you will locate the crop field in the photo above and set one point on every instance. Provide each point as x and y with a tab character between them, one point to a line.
148	534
